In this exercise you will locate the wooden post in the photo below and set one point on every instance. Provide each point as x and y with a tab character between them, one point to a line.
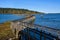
28	34
57	38
41	35
44	36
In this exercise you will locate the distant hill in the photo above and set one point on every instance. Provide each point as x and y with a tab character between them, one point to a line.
17	11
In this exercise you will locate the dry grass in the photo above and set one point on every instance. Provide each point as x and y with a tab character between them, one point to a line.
5	31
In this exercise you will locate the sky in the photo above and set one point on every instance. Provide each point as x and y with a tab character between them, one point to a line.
47	6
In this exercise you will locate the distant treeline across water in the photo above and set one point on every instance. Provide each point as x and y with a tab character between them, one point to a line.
17	11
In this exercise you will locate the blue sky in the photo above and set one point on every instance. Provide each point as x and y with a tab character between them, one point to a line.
47	6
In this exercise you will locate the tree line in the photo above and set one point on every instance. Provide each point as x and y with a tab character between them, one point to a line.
17	11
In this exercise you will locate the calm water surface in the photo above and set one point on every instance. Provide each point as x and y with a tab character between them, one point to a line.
9	17
50	20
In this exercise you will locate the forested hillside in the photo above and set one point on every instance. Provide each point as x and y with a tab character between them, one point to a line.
17	11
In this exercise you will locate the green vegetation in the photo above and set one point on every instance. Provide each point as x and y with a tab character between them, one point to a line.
17	11
5	31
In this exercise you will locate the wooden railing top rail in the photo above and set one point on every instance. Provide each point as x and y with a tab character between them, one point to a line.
43	28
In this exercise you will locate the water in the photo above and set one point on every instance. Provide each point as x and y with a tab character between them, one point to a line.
49	20
9	17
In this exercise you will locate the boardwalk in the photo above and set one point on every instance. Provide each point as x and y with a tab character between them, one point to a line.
21	25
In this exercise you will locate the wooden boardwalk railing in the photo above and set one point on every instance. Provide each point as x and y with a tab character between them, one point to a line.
43	31
42	35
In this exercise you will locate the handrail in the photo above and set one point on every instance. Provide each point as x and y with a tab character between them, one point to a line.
35	31
46	29
40	33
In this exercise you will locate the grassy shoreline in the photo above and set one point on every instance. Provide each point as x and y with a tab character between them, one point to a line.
5	31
